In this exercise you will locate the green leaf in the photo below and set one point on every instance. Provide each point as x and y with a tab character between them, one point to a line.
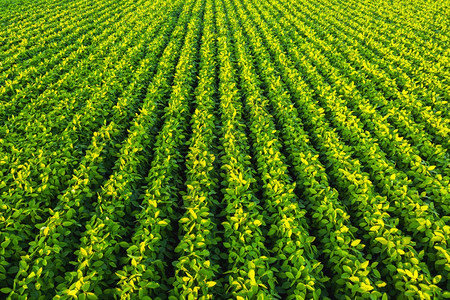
5	290
92	296
251	274
85	287
98	263
83	252
381	240
355	243
347	269
437	279
141	293
152	285
391	268
5	243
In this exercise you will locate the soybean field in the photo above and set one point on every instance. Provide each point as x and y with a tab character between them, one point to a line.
224	149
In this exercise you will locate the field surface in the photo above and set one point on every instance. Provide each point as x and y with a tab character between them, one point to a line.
224	149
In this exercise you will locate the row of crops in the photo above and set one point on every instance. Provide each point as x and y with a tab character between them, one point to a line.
224	149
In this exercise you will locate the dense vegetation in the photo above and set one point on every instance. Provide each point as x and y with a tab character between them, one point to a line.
224	149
